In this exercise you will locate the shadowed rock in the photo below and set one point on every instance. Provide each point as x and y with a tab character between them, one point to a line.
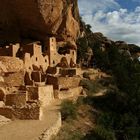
37	19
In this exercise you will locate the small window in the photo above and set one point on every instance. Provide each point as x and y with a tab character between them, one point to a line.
46	60
7	47
36	58
53	62
73	52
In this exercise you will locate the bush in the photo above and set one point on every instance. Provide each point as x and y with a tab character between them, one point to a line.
68	110
80	101
68	133
100	133
92	86
104	134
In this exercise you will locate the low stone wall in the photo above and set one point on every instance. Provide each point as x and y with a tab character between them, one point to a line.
7	112
28	112
32	93
17	99
71	92
42	93
14	78
53	130
46	94
63	82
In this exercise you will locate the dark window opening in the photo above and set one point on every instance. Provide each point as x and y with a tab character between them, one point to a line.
63	50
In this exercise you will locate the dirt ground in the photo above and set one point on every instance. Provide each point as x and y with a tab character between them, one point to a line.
30	129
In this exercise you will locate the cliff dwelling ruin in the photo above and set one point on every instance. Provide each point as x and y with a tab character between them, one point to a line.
31	77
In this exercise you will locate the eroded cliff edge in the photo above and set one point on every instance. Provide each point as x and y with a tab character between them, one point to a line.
37	19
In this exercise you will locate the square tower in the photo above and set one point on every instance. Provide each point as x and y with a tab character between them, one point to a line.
52	51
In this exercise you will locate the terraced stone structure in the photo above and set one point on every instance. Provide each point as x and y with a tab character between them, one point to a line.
34	76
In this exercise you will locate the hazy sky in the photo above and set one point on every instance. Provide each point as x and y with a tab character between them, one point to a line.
117	19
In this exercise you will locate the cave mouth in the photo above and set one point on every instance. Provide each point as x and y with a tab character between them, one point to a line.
63	50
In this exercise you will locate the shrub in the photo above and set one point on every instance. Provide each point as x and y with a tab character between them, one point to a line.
104	134
68	133
80	100
92	86
68	110
100	133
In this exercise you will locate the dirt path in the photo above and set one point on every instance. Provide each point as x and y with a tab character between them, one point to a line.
30	129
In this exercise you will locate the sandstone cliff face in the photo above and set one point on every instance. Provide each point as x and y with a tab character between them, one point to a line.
38	18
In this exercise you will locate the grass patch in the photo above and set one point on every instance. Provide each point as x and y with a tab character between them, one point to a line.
68	110
91	86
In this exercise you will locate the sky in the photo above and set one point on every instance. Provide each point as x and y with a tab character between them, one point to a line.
116	19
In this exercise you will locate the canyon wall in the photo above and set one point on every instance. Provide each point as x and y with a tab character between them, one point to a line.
37	19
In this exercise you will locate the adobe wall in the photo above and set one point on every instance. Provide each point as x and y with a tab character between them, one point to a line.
42	93
63	82
54	56
45	94
67	82
40	61
33	56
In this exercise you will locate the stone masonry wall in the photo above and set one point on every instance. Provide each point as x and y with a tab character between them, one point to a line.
14	78
45	94
42	93
27	112
17	99
63	82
